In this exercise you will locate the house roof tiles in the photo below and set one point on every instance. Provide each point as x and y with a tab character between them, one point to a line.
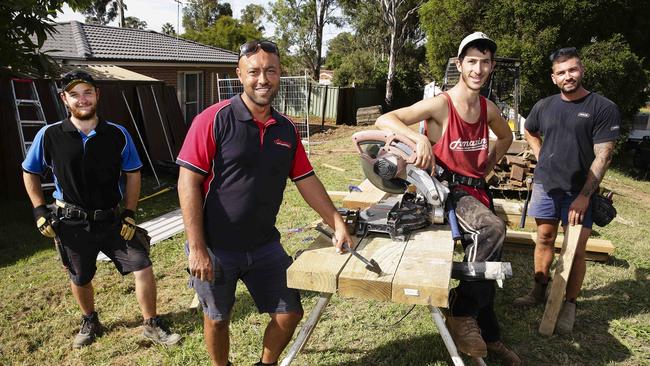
81	41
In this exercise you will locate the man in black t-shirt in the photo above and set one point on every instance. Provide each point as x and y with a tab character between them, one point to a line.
580	129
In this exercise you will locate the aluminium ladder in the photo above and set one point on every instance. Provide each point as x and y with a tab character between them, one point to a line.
30	117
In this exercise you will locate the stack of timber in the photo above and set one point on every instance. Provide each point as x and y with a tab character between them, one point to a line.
511	172
368	115
598	250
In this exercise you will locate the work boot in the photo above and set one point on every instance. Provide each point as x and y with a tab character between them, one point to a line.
91	328
536	296
507	356
156	330
566	319
467	335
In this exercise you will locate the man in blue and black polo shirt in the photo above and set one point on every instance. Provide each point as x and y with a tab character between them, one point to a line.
95	166
235	162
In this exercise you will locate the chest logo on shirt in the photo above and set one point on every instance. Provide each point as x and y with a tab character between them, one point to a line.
283	143
584	115
469	145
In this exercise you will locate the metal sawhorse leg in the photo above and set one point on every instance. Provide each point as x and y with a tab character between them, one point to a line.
324	298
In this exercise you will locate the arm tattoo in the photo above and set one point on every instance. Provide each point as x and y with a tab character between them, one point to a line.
603	152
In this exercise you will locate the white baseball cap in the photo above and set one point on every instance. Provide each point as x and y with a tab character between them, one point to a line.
475	37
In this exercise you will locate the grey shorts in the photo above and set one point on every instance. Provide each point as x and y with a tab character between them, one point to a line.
263	271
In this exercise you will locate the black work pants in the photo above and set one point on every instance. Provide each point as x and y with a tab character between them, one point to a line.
483	236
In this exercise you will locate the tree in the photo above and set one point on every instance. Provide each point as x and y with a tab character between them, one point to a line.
253	14
199	15
168	29
101	12
299	25
227	33
135	23
25	27
530	31
402	24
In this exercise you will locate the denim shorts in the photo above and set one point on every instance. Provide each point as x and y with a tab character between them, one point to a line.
263	271
555	206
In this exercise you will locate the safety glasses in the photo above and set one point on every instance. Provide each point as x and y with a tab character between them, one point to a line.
566	51
252	47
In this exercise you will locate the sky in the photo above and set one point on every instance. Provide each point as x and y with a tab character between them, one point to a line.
158	12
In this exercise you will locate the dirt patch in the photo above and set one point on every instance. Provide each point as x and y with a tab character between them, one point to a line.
628	192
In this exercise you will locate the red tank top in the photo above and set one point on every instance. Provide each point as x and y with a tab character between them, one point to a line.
463	147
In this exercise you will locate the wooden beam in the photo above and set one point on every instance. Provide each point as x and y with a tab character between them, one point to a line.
358	282
558	285
369	195
508	207
337	195
423	274
333	167
317	268
594	245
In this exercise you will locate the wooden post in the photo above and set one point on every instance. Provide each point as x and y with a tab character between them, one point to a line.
558	287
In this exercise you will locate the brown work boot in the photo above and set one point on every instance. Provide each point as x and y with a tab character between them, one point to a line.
566	319
507	356
466	334
536	296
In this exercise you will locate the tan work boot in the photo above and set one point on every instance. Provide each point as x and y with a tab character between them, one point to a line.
534	297
467	335
566	319
507	356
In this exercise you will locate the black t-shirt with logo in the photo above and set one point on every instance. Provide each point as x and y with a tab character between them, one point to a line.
570	129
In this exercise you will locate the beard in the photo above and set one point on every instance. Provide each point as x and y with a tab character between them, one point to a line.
572	88
260	100
83	115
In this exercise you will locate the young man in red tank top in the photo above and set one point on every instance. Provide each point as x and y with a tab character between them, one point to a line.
457	127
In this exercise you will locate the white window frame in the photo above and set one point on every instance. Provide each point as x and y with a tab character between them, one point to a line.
182	95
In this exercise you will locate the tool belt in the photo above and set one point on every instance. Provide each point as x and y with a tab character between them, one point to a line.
69	211
453	178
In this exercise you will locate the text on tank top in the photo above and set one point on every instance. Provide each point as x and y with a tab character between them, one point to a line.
463	147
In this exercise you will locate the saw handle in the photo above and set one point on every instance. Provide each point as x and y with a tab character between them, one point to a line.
389	140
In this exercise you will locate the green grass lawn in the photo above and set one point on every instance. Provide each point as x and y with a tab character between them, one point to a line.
39	318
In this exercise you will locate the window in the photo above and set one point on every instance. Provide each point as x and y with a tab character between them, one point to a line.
190	93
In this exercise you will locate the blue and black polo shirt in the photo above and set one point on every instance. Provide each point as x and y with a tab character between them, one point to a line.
87	168
246	164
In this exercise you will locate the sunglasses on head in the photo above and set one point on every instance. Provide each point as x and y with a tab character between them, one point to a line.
252	47
566	51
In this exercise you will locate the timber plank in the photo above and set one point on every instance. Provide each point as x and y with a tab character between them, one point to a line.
424	272
525	238
317	268
358	282
558	285
369	195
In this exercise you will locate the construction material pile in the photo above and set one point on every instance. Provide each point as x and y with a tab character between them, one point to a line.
513	170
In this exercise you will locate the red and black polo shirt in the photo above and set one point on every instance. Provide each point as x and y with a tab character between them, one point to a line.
246	164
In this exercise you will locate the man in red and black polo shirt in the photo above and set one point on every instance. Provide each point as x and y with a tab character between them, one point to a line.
235	162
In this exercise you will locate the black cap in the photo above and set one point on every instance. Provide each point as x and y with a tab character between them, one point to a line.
72	78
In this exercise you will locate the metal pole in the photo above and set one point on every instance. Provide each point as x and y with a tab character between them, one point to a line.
144	147
307	328
446	337
322	116
162	123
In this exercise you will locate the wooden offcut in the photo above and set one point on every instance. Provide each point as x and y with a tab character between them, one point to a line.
369	195
358	282
368	115
558	285
424	272
337	195
317	268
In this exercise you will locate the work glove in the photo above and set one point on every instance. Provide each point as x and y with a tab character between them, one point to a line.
43	217
128	224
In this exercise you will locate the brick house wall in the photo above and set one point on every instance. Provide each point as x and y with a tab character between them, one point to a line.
170	74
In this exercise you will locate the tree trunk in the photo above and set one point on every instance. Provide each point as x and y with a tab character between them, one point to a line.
391	70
